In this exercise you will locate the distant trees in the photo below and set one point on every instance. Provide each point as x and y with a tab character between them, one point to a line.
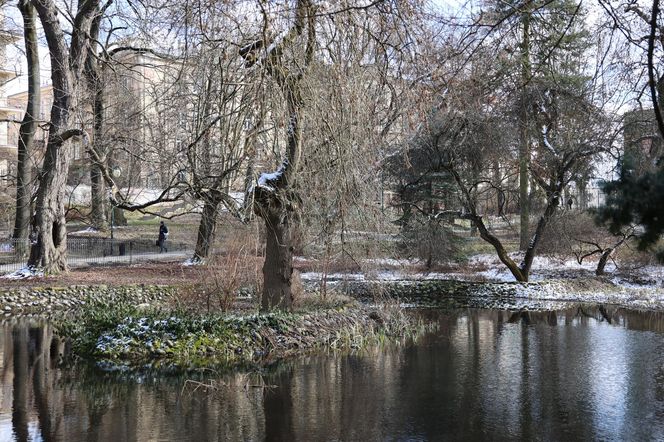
318	96
466	136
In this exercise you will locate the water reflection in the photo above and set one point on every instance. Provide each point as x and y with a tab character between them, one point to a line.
582	373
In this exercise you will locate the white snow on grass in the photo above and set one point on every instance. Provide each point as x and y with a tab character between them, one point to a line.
23	273
497	275
193	262
87	231
317	276
391	262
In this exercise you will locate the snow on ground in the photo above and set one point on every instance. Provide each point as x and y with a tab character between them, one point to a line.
193	262
85	231
551	279
23	273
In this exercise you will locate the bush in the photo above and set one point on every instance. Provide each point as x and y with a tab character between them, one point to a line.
224	277
430	240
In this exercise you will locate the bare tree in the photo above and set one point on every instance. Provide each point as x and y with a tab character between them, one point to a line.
274	198
28	128
466	135
67	62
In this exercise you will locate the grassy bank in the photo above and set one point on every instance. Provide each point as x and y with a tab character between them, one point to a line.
122	334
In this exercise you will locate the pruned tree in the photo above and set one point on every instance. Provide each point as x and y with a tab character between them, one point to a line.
274	198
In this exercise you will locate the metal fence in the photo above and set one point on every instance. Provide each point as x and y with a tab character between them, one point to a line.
84	251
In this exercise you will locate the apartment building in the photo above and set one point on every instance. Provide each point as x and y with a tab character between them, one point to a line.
642	142
8	112
137	129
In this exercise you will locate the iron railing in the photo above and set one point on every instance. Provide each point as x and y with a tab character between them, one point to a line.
84	251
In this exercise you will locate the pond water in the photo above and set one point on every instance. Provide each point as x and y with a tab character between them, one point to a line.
584	374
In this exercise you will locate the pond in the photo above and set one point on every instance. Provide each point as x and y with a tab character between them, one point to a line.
589	373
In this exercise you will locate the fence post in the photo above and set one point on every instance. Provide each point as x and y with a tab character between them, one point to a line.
131	252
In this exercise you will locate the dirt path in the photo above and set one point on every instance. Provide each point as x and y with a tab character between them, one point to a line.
170	273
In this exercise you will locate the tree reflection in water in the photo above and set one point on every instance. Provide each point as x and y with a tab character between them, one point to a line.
590	372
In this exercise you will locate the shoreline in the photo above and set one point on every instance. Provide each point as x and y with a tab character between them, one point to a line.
48	301
137	326
123	336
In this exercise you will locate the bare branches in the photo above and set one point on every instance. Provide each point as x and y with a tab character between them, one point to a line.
653	82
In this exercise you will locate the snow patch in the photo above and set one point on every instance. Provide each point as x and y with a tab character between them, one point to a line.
85	231
193	262
265	180
23	273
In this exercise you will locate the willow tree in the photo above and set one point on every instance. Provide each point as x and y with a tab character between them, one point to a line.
67	55
317	47
274	196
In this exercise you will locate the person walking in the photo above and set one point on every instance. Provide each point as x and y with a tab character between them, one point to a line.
163	234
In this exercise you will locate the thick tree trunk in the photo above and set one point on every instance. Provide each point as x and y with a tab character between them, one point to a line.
27	129
49	226
49	250
274	199
278	266
524	147
207	229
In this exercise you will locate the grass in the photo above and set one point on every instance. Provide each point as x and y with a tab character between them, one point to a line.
122	334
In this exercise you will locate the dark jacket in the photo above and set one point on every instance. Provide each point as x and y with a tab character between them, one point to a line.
163	231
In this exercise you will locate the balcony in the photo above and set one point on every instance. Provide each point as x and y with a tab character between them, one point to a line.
6	111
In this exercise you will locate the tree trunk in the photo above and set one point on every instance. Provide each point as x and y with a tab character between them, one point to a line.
551	207
500	195
207	229
278	266
274	199
98	197
487	236
49	251
524	148
583	194
49	226
601	265
27	129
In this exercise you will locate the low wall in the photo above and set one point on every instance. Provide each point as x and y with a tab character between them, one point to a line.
541	295
42	300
